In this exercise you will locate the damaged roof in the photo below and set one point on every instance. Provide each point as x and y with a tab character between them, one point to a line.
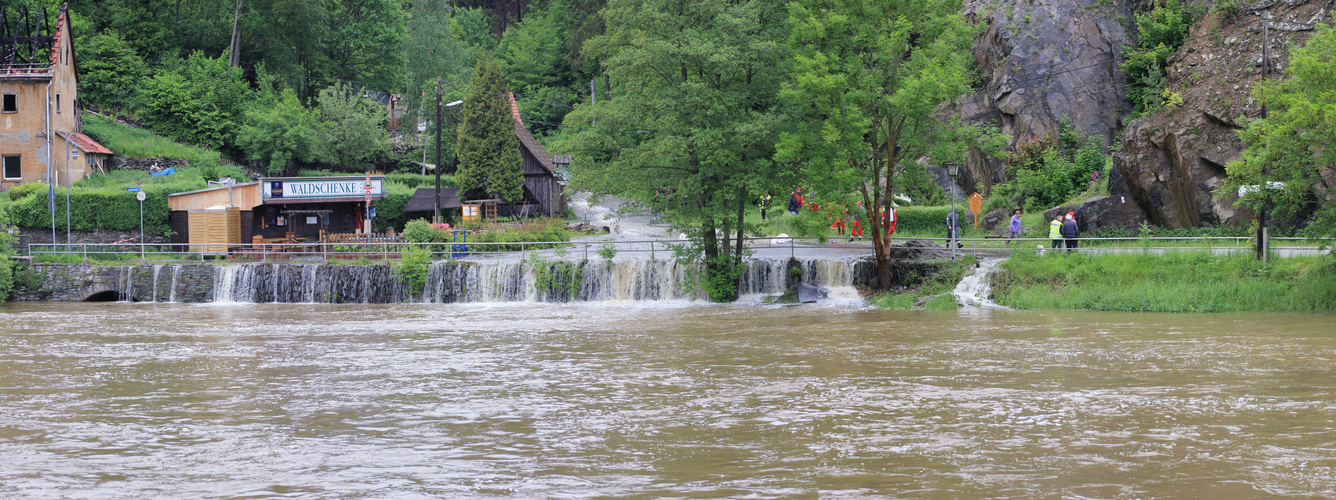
25	52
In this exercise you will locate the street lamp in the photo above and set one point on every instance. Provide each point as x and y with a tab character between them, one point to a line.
953	169
439	125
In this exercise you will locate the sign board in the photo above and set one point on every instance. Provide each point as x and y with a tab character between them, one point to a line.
976	206
561	159
350	188
140	196
471	212
133	190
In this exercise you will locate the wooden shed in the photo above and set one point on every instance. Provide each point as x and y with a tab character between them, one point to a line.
215	230
244	197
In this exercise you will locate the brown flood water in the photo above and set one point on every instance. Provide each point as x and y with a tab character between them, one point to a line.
660	400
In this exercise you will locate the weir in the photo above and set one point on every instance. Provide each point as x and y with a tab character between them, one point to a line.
529	280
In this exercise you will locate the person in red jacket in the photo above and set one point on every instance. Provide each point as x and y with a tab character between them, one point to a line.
856	231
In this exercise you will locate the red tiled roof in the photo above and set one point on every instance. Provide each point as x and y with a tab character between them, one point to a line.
55	47
85	143
515	108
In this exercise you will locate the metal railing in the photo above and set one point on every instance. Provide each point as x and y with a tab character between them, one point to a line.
760	246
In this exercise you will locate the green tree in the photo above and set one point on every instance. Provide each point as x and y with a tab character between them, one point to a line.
868	78
355	129
533	56
279	128
432	52
197	101
109	72
1293	145
696	140
489	155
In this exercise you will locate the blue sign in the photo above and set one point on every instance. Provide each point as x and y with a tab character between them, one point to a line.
132	190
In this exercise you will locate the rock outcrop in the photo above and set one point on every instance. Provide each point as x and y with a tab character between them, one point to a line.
1102	212
1173	161
1043	62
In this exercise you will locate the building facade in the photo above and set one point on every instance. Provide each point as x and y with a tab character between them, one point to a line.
41	129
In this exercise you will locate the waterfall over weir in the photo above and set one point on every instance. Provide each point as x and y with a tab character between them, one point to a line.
535	281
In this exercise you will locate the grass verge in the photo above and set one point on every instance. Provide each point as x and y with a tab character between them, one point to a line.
1184	281
931	292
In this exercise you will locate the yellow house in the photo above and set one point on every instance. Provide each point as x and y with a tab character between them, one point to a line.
41	130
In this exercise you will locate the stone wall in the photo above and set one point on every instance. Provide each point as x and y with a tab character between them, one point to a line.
140	283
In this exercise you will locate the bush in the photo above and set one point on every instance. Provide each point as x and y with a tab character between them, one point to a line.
22	191
1161	32
925	220
551	230
1226	12
97	208
412	268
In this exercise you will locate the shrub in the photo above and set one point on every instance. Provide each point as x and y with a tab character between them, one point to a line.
22	191
925	220
1226	12
1161	32
412	268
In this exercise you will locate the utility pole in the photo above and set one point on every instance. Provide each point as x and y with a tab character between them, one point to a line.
437	218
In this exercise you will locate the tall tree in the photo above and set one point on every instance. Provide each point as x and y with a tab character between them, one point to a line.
693	136
109	72
489	154
532	56
1290	154
432	51
355	129
278	128
868	78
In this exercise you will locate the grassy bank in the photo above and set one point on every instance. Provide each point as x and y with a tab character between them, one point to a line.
1187	281
140	143
932	292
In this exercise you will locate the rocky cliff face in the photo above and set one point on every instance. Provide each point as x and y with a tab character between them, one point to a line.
1173	161
1044	61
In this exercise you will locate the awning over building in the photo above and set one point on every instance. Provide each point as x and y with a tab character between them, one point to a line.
424	200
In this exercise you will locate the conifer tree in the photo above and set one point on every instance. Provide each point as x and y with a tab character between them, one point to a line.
489	154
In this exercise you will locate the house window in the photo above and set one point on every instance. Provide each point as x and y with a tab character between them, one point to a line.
11	103
57	103
13	167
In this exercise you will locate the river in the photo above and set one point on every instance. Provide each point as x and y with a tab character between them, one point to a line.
678	399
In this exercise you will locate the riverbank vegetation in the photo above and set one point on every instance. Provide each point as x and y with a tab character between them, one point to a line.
1184	281
927	291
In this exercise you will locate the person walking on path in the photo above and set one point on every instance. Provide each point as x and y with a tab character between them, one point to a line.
765	204
793	203
953	228
1015	226
1070	231
1055	231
